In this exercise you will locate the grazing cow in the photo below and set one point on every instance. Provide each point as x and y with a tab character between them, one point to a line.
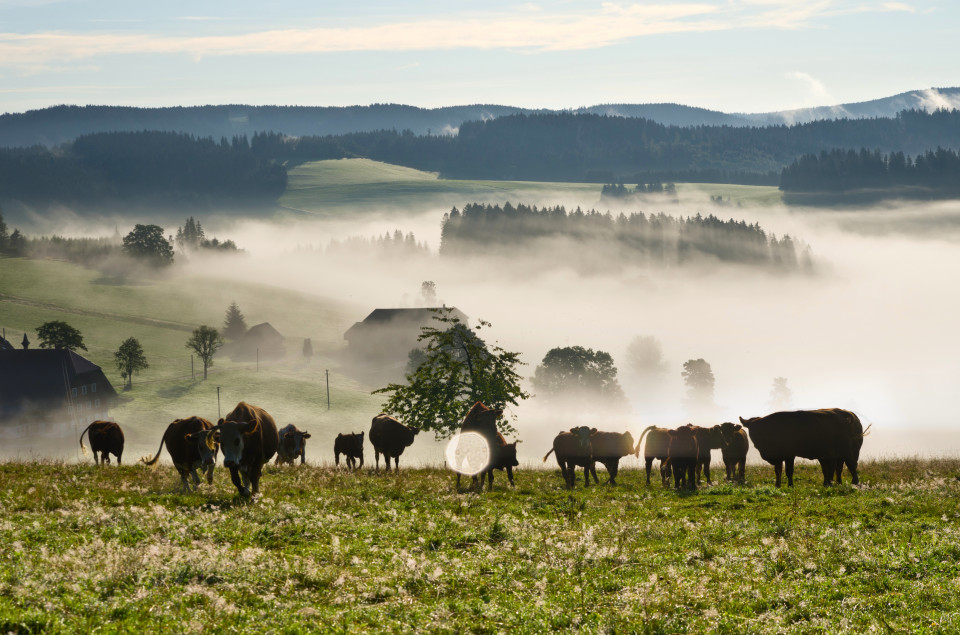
483	421
573	449
734	449
608	448
293	444
707	439
390	438
248	439
192	445
831	436
105	438
351	446
658	443
503	456
684	454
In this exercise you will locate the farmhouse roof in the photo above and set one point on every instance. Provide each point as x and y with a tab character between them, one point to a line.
43	375
400	317
262	331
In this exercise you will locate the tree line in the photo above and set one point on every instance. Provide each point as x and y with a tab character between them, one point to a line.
844	170
655	239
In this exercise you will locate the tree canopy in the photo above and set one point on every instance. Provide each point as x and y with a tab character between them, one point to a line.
147	243
205	342
60	335
574	372
698	376
457	369
130	360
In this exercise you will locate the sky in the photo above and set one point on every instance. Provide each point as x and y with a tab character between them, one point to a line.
728	55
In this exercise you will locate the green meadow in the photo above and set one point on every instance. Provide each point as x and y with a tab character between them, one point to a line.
110	549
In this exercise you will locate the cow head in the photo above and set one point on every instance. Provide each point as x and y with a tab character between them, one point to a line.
627	439
233	437
727	431
206	442
294	441
582	434
508	455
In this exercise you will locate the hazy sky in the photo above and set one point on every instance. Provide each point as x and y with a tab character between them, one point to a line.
731	55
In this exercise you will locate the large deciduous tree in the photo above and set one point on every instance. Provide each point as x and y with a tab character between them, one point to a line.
130	360
698	376
574	372
147	243
60	335
456	370
205	342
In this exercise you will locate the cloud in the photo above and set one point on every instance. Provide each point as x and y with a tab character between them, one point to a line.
816	88
530	29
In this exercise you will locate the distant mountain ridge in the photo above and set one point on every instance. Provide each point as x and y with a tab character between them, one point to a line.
60	124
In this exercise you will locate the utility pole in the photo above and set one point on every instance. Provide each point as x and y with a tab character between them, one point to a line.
218	403
193	375
258	359
328	389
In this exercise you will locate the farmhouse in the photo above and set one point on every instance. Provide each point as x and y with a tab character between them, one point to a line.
259	342
388	335
50	392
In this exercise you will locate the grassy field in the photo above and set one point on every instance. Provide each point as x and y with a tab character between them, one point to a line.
343	186
122	550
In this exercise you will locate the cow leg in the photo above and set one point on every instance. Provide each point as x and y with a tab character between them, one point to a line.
649	461
741	466
778	469
613	467
303	456
489	476
665	469
691	471
193	475
563	472
854	477
254	477
593	470
789	470
336	459
238	482
678	476
706	472
458	481
510	475
376	456
361	461
728	466
826	466
586	476
698	469
209	473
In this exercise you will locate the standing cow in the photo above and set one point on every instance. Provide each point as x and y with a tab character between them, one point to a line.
503	456
734	449
684	454
657	447
351	446
707	439
573	449
192	445
390	438
831	436
608	448
105	438
293	444
248	439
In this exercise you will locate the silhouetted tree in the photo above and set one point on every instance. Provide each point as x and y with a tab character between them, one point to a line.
698	376
307	348
645	356
205	342
147	243
428	292
60	335
130	360
574	372
234	325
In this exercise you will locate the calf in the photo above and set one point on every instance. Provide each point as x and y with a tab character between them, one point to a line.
658	443
248	439
293	444
609	448
573	450
105	438
390	438
683	454
503	456
483	421
192	445
734	449
351	446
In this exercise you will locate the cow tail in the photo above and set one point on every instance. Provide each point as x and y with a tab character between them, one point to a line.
83	448
866	431
548	455
153	462
636	452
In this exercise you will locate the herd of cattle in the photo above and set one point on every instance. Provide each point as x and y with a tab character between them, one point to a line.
249	438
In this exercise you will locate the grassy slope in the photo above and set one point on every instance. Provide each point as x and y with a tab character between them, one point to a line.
322	550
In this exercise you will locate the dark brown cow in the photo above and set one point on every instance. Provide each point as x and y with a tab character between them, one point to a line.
831	436
192	445
573	450
503	456
684	454
483	421
390	438
293	444
351	446
248	440
106	438
707	439
734	449
608	448
657	447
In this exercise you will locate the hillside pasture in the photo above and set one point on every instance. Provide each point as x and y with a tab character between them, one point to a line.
122	549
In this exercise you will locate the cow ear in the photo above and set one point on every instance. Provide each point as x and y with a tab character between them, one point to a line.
742	420
361	434
306	435
191	437
339	435
592	430
219	423
248	427
738	427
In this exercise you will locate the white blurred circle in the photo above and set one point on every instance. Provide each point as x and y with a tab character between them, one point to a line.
468	453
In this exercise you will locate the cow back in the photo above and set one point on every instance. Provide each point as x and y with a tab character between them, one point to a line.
611	445
389	436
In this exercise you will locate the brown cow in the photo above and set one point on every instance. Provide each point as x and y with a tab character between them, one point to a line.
192	445
573	450
734	449
106	438
657	447
684	454
609	448
390	438
248	439
831	436
483	421
707	439
503	456
351	446
293	444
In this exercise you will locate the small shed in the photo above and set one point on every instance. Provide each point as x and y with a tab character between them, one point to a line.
261	340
